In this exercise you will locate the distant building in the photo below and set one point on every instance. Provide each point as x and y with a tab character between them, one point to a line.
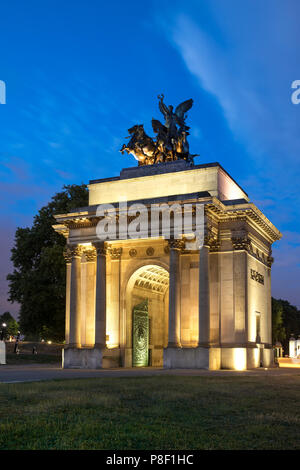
294	347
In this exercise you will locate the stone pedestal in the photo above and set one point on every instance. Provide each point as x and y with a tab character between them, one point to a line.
90	358
192	358
186	358
127	357
81	358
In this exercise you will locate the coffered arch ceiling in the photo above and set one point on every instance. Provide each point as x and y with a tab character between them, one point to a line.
152	277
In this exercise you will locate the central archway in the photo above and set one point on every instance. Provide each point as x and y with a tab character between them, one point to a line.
148	290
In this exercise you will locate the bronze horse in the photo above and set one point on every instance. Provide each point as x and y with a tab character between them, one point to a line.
171	137
140	145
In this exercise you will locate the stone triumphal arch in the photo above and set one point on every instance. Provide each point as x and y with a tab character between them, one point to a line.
166	300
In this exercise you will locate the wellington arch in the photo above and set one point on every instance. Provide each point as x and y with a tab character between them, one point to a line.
203	308
197	295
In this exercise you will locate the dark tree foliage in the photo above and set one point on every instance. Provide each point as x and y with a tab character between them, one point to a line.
285	322
38	280
12	326
278	330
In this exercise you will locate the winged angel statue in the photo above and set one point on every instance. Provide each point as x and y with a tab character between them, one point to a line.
171	137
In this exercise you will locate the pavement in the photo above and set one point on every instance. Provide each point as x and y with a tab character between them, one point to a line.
40	372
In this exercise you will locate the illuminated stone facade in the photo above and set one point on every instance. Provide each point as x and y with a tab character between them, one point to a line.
207	308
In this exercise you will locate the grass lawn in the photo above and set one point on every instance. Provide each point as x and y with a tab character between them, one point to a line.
165	412
46	353
23	359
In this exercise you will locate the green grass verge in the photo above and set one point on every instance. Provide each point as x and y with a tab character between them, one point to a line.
165	412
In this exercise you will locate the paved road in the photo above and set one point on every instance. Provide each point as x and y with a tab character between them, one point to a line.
37	372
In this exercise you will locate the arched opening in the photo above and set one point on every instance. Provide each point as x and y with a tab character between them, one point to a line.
147	305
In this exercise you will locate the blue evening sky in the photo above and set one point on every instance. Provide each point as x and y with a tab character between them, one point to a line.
80	73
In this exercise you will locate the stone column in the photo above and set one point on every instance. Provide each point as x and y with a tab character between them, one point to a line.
270	261
114	297
68	259
75	297
100	317
175	247
90	284
204	301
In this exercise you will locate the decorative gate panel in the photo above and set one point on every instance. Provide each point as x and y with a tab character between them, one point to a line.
140	335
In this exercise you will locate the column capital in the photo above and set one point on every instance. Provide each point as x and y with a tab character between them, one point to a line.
101	249
240	240
67	254
270	259
211	240
115	253
72	251
176	244
90	255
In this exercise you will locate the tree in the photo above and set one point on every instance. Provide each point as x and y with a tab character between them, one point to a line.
12	326
286	321
278	330
38	280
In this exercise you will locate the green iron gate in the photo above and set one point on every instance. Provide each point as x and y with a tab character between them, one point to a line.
140	335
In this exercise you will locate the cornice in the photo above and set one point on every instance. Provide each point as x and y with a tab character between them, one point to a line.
214	209
243	212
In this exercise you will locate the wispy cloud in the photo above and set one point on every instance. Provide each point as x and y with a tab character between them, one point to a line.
244	60
255	102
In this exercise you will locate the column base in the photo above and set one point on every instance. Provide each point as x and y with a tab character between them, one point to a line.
245	357
215	358
204	345
191	358
81	358
90	358
72	346
127	357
